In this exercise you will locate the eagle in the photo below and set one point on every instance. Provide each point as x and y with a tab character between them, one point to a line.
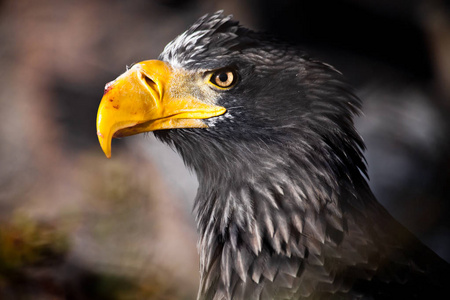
283	208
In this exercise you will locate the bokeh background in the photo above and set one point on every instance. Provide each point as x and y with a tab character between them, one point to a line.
75	225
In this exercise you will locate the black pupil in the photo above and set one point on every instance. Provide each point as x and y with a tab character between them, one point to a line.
223	77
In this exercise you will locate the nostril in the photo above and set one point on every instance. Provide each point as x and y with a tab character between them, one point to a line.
150	83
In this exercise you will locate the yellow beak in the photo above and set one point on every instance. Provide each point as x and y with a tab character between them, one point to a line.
139	100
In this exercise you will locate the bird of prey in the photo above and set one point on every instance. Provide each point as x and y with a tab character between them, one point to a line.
283	207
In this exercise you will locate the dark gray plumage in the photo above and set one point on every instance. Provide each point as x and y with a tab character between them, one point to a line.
283	207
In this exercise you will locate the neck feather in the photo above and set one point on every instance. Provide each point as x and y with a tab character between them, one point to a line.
270	210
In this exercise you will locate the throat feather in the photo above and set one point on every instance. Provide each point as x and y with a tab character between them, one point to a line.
257	223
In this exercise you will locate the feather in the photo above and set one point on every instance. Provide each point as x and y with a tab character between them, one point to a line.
242	262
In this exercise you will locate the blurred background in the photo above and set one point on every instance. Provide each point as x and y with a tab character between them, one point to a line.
75	225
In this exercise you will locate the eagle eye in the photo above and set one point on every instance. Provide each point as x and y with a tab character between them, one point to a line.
223	78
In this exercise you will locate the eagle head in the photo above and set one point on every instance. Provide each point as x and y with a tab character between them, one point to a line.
235	92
